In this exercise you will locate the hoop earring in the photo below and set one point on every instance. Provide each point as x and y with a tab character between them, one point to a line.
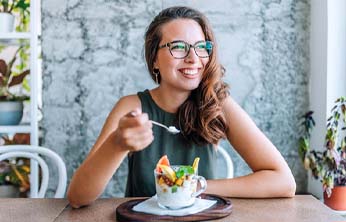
156	72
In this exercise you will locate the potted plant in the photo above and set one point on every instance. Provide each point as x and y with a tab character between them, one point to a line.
328	165
11	105
7	10
14	173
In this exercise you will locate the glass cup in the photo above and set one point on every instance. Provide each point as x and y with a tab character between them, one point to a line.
179	194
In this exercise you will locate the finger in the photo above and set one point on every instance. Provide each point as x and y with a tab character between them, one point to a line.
130	115
134	112
129	122
148	141
133	136
141	144
145	134
135	139
139	120
143	124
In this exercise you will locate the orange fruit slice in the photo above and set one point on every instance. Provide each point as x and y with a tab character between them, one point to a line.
162	161
169	172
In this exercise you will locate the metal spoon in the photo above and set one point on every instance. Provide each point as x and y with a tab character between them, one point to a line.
170	129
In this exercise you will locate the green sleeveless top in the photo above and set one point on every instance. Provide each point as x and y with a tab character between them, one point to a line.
141	181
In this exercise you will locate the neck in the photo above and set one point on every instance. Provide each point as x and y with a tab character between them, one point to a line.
169	100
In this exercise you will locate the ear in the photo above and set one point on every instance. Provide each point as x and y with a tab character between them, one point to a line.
155	65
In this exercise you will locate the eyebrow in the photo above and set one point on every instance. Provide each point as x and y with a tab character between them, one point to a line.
179	40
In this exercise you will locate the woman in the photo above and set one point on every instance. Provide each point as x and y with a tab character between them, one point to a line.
181	56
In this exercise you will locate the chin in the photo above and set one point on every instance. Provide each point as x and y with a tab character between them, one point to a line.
190	87
191	84
186	85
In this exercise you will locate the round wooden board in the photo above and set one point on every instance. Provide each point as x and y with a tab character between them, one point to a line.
222	208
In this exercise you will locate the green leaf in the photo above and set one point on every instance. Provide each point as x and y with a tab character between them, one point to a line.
190	170
174	189
22	4
26	85
179	173
2	178
184	170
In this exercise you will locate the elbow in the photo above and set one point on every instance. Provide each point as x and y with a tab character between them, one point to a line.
291	190
76	198
289	187
73	203
73	200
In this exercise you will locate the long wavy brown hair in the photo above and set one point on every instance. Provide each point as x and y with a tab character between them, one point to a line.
200	117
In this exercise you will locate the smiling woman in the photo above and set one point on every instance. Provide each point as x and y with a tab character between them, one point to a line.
179	68
181	56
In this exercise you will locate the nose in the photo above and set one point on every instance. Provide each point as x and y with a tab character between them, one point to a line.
191	56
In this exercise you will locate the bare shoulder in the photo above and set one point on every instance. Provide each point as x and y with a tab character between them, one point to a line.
231	108
126	104
239	122
130	99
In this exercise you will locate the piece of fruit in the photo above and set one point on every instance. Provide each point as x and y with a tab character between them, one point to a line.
162	161
161	181
167	181
179	181
195	164
168	172
174	189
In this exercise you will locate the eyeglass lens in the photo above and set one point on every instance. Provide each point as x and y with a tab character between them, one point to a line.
182	49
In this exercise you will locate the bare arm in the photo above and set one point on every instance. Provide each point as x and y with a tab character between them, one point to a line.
271	175
125	130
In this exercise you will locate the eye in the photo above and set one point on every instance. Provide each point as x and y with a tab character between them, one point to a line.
179	46
207	45
204	49
201	45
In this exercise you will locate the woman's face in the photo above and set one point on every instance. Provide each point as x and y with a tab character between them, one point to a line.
181	74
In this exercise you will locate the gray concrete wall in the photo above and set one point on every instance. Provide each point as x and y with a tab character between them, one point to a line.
92	56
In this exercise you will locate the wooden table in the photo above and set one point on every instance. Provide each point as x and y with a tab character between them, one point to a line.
300	208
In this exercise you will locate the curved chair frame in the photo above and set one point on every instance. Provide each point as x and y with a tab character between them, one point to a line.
30	151
227	158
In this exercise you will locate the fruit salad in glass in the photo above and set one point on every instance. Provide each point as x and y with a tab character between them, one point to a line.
176	186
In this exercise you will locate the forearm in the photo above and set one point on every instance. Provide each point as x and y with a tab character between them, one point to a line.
261	184
93	175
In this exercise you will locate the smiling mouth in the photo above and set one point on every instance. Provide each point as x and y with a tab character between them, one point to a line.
189	72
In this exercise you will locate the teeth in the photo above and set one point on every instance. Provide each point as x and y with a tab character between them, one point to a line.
190	71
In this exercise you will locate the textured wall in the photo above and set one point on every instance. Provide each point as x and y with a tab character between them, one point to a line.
92	53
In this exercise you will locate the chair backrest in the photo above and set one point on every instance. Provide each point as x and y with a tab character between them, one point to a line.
30	151
227	158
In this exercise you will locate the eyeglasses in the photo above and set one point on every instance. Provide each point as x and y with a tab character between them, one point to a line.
180	49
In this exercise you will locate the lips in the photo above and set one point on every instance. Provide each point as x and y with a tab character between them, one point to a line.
190	72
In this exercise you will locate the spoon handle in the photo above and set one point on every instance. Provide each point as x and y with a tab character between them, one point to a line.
159	124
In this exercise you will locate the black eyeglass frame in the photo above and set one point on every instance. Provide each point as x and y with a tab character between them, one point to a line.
189	47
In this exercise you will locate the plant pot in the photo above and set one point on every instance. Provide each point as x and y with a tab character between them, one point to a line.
11	112
9	191
337	201
6	22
